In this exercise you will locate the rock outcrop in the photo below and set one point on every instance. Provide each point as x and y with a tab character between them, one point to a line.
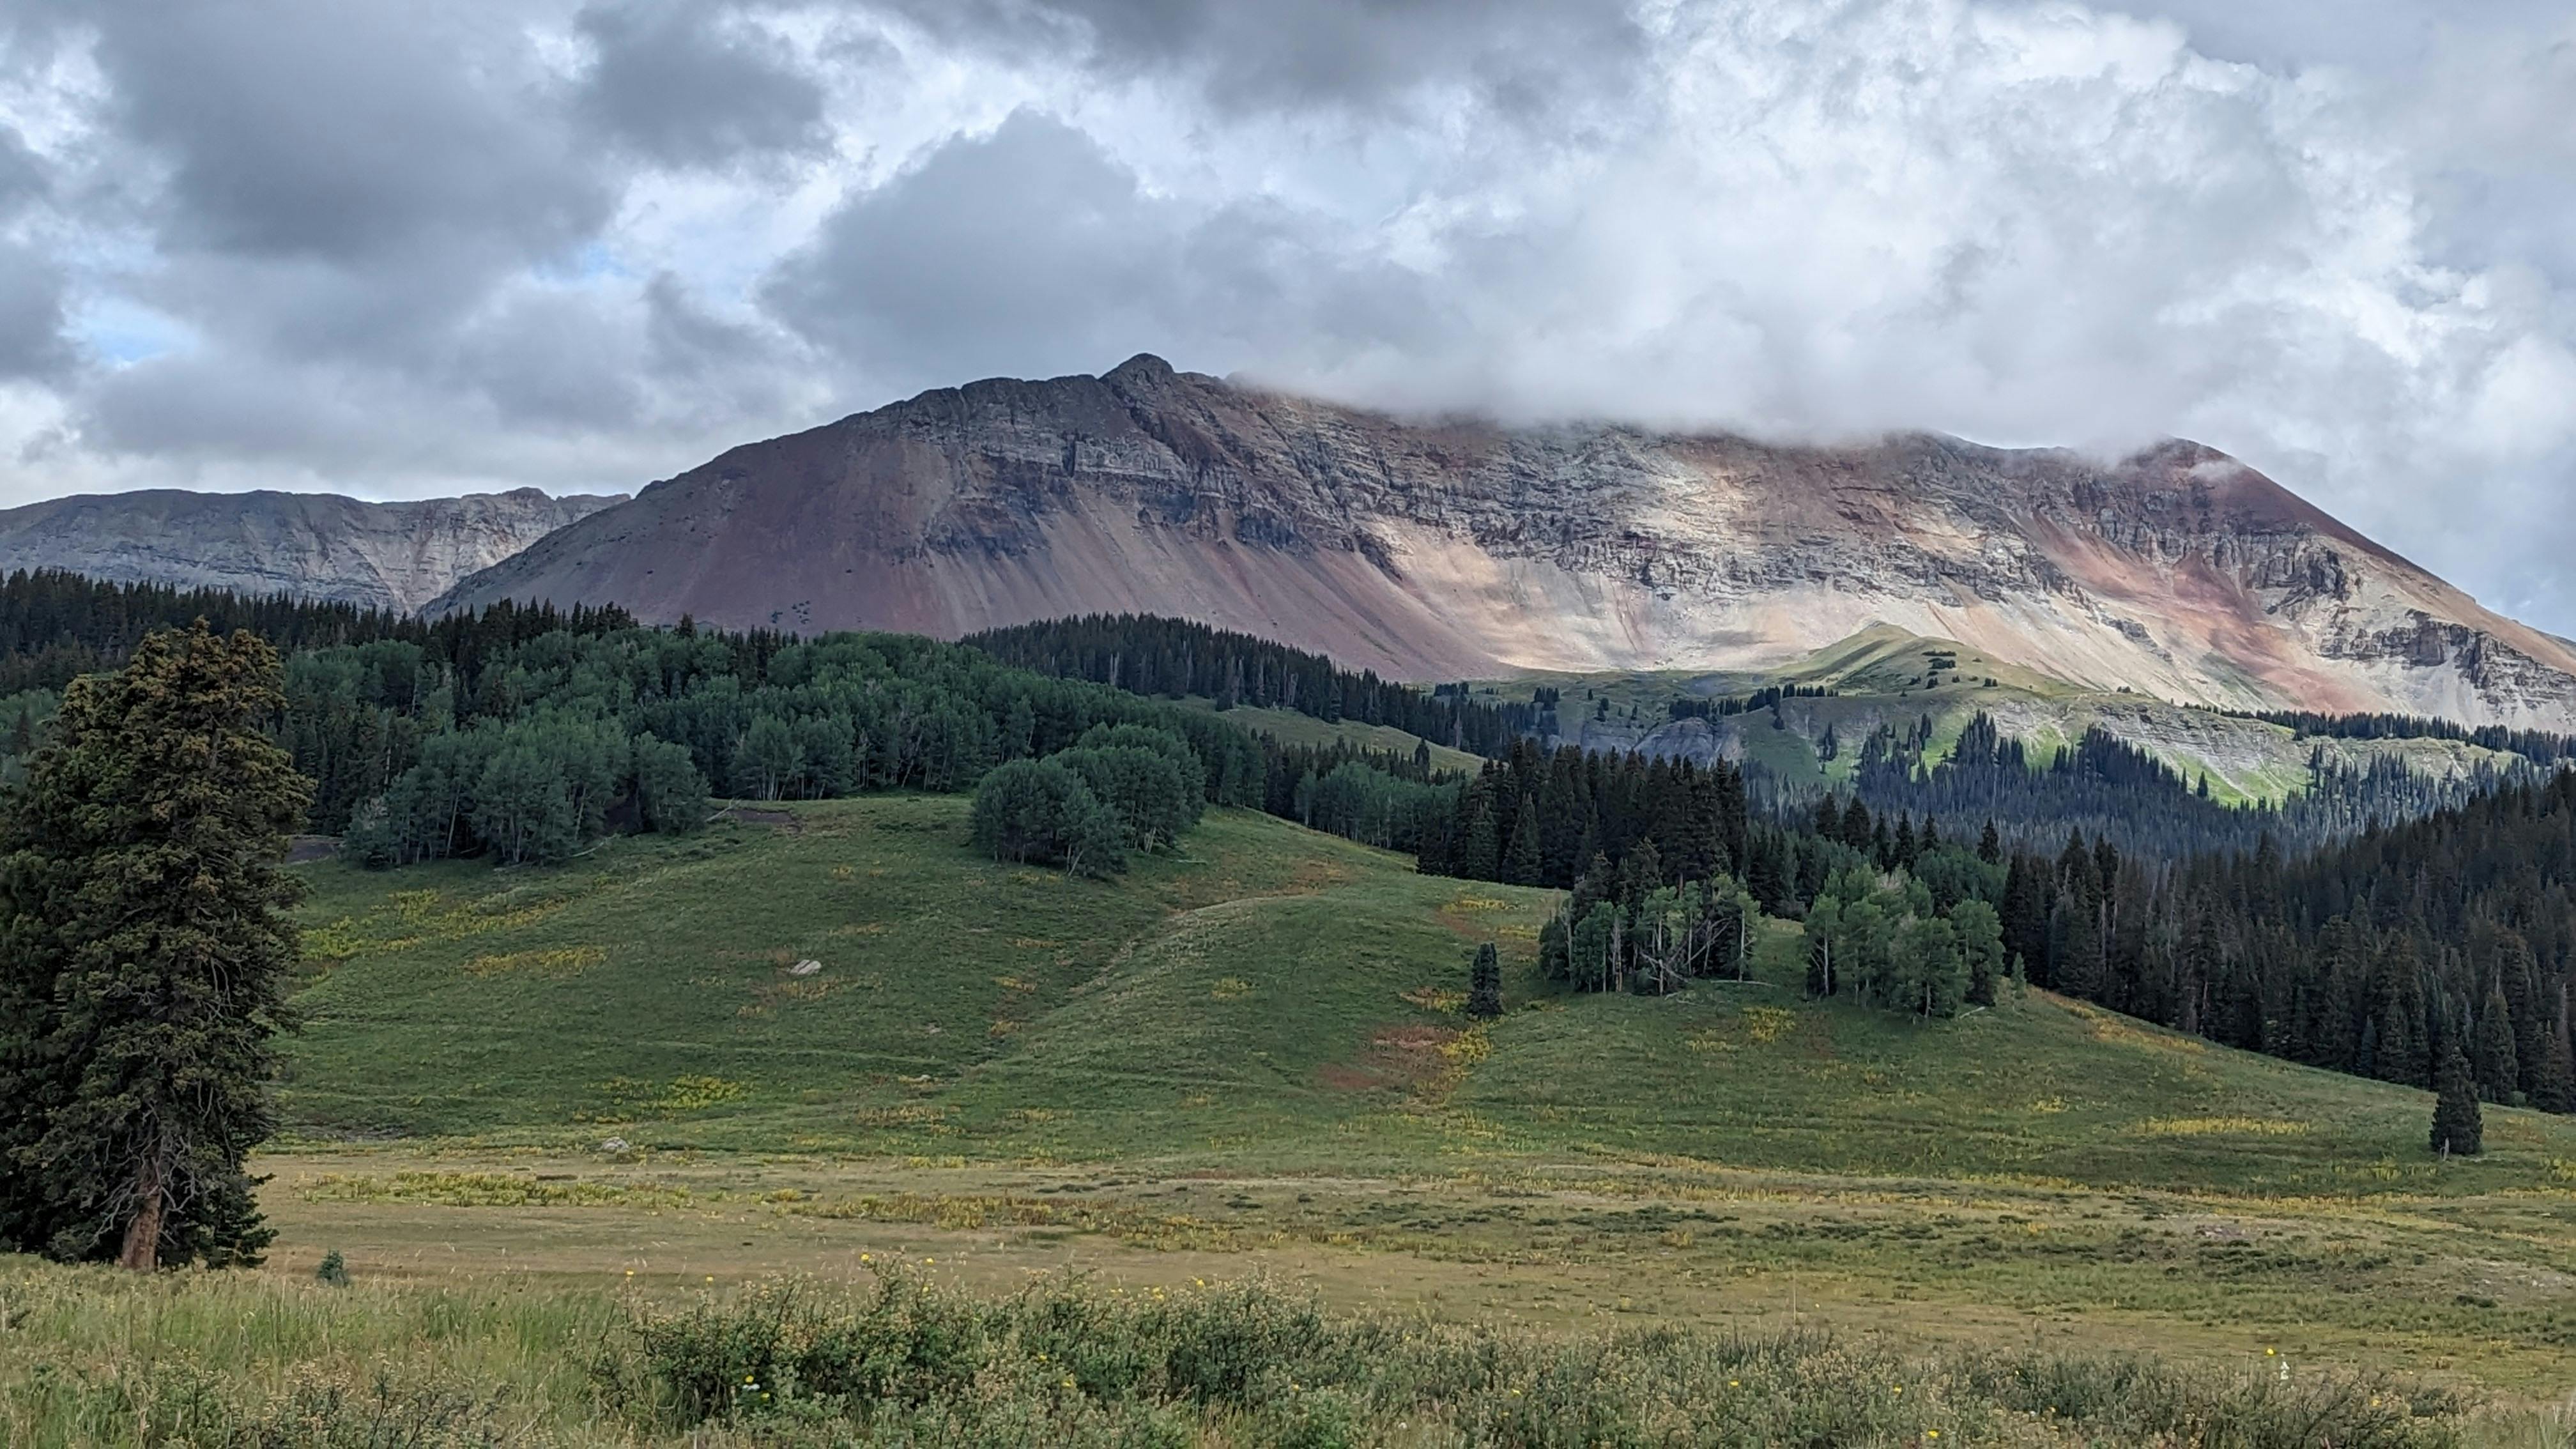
1450	549
394	556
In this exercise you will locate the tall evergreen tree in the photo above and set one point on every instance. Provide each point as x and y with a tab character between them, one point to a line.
2458	1128
1767	876
1485	984
1480	850
2499	1073
2553	1084
1522	861
146	945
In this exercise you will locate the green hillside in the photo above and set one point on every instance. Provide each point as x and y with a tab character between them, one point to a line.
1250	1057
1291	728
1272	996
1887	676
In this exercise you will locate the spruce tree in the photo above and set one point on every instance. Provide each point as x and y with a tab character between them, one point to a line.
2458	1128
1485	984
2498	1071
1856	823
1767	875
2553	1084
1480	854
1522	861
144	950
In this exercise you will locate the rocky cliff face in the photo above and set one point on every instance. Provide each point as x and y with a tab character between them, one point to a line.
395	556
1457	549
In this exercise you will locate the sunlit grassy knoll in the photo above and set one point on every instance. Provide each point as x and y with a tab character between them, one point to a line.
1291	728
1269	998
656	983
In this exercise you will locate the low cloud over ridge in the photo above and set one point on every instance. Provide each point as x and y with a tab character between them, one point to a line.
403	251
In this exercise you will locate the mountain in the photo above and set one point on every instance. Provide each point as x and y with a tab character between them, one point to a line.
394	556
1463	548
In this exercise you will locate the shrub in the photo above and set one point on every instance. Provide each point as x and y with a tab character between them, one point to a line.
1066	1362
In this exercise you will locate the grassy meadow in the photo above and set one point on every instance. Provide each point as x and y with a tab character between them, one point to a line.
534	1109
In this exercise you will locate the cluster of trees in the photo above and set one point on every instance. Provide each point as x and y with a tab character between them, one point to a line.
1117	788
56	626
2379	956
1383	798
2541	747
1696	706
1540	817
1892	941
2105	786
1632	927
563	735
1174	657
144	954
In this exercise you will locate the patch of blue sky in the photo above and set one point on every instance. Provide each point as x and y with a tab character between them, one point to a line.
593	263
121	332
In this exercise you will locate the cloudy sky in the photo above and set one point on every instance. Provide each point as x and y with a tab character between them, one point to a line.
404	249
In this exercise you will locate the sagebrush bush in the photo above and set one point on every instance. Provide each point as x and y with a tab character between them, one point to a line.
233	1361
1065	1361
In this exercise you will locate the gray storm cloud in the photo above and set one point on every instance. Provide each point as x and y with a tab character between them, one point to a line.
398	250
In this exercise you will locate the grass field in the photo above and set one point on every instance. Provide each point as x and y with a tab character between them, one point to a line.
899	1357
1250	1057
531	1105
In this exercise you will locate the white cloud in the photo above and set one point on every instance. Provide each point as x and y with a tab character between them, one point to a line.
406	255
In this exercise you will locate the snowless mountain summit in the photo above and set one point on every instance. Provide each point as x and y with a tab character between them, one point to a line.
1461	548
324	546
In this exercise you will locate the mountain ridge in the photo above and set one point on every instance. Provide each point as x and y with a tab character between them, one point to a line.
323	546
1460	547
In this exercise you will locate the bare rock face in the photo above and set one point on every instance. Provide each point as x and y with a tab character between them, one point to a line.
1455	549
395	556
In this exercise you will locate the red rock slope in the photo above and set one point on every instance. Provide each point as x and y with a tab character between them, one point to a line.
1460	549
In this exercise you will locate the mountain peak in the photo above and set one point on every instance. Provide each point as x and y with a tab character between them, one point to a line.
326	546
1142	369
1468	549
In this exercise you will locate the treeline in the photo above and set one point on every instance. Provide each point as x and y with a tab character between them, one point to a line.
524	731
1692	706
2539	746
1540	817
1174	657
2108	787
56	626
2377	956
